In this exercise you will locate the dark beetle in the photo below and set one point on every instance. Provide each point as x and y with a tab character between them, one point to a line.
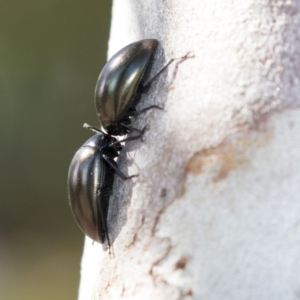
91	173
90	182
121	83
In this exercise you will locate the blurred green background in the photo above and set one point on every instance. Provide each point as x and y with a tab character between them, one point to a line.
50	55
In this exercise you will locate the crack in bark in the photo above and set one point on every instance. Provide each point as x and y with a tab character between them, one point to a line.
136	232
167	251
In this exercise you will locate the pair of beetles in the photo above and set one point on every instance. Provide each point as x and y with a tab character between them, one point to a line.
91	174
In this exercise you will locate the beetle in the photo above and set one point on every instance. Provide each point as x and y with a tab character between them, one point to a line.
121	84
90	182
91	174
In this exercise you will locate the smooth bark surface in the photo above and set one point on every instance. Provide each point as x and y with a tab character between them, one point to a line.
215	211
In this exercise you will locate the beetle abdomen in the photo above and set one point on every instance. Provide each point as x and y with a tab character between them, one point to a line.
90	183
120	78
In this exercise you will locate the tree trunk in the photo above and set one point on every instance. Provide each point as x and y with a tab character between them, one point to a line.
215	211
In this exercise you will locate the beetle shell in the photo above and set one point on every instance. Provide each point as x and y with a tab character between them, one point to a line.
117	85
90	182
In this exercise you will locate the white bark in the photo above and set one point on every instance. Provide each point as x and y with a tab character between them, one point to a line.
215	211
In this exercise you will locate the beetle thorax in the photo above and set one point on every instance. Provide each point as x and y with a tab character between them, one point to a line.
117	129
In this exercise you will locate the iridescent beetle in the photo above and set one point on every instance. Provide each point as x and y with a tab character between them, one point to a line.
121	83
90	179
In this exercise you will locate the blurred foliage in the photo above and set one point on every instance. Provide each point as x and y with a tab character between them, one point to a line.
50	55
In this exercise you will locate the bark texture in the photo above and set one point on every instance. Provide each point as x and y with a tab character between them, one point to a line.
215	211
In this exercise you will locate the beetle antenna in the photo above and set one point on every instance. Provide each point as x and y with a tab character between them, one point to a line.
92	128
147	85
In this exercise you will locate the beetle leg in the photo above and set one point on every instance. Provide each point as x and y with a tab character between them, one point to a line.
137	113
129	138
145	88
114	166
102	224
131	128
